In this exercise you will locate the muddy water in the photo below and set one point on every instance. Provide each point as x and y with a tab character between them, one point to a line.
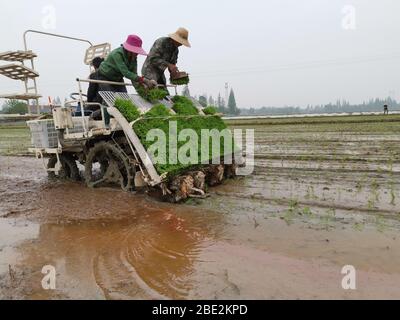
13	232
244	242
138	258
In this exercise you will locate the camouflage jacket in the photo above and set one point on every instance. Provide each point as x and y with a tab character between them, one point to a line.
162	53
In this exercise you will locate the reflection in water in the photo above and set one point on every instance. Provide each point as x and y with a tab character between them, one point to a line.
150	255
12	232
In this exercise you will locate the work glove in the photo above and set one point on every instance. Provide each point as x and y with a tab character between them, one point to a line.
150	84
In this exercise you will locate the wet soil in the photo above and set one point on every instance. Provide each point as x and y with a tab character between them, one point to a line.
284	232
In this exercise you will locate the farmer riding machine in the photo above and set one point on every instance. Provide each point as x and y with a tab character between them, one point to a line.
114	149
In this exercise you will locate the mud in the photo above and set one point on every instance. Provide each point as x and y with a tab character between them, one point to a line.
284	232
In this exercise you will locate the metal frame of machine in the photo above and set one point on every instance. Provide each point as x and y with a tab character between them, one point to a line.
114	145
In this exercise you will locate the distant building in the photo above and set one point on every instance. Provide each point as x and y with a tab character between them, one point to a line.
32	109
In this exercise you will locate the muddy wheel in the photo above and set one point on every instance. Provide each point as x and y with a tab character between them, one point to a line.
230	171
69	170
215	174
114	167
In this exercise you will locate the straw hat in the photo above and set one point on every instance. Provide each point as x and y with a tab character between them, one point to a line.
182	36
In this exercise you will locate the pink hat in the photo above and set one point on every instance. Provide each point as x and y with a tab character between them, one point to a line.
134	44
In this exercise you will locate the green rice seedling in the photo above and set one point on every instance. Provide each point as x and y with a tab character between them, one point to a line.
289	216
310	193
291	212
392	194
152	95
359	186
158	110
180	81
159	117
328	218
307	212
293	204
380	223
339	193
390	165
371	203
359	226
375	188
184	106
210	110
128	109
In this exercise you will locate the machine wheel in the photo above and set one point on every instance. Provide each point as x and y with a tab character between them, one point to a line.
69	170
114	167
230	171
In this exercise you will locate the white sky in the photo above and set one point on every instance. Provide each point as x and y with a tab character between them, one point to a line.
272	52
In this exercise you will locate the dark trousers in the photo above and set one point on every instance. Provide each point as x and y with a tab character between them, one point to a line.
106	87
157	75
110	87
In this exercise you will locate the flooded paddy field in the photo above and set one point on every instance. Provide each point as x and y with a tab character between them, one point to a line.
324	193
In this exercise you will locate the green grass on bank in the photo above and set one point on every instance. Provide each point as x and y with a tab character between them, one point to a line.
316	120
361	128
14	139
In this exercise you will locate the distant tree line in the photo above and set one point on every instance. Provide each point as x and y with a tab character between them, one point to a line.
343	106
231	108
14	107
205	100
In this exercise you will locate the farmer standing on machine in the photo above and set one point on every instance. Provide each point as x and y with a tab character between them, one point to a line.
163	55
93	89
122	63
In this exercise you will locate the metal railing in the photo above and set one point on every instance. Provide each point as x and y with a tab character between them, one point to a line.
85	103
52	35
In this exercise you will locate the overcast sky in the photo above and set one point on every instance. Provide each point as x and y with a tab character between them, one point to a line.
272	52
